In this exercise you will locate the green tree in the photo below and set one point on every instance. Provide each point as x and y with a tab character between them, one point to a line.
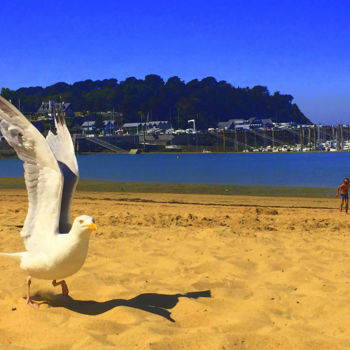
173	100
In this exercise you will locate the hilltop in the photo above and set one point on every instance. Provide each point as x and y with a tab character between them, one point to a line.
209	100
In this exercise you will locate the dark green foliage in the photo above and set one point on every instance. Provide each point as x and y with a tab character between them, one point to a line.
206	100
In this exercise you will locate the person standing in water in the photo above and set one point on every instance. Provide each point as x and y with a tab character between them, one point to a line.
344	196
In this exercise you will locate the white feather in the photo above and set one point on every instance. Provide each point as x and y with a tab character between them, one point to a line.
50	255
42	176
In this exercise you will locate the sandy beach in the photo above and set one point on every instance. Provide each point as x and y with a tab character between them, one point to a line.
169	271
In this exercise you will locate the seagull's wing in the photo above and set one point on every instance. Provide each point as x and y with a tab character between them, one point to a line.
62	147
42	176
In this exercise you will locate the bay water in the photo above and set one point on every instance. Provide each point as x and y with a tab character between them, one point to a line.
272	169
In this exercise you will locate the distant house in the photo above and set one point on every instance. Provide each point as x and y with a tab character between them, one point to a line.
234	124
47	108
229	125
88	127
258	123
287	125
246	124
137	127
109	126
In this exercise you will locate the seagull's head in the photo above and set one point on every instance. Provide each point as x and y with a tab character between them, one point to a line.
84	224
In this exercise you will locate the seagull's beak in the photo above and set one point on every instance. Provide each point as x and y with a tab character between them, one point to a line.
92	226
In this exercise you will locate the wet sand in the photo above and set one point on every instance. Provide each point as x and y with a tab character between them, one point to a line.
168	271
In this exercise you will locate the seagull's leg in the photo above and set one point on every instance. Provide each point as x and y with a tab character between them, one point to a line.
63	284
29	300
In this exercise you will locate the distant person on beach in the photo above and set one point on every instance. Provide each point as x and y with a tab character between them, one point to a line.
344	196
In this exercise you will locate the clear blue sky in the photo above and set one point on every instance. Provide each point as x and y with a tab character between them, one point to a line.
301	48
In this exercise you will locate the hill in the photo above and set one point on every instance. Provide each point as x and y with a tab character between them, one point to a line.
209	100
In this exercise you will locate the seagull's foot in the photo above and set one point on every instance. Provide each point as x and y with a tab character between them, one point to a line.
33	303
29	300
63	284
65	290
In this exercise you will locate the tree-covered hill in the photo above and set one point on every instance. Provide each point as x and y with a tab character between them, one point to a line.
208	100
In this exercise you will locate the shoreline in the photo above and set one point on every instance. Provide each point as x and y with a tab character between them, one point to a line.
205	189
12	155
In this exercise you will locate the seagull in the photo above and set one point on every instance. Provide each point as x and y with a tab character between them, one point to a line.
55	248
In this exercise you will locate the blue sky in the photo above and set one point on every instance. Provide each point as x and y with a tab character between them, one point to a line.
299	48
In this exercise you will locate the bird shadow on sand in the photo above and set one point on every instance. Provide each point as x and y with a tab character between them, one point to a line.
154	303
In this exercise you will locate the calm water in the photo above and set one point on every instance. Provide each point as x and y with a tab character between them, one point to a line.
291	169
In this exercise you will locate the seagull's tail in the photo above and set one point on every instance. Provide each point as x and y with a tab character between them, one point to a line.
16	256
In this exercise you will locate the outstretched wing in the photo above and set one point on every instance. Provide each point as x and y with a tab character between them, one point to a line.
62	147
42	177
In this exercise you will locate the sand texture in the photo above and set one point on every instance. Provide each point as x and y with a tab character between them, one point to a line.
188	272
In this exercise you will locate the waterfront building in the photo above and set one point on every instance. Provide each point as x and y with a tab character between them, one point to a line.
88	127
245	124
134	128
47	108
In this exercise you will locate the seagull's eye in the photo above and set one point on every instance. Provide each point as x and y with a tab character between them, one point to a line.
81	221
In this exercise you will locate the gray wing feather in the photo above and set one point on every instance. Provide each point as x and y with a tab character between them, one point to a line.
62	147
